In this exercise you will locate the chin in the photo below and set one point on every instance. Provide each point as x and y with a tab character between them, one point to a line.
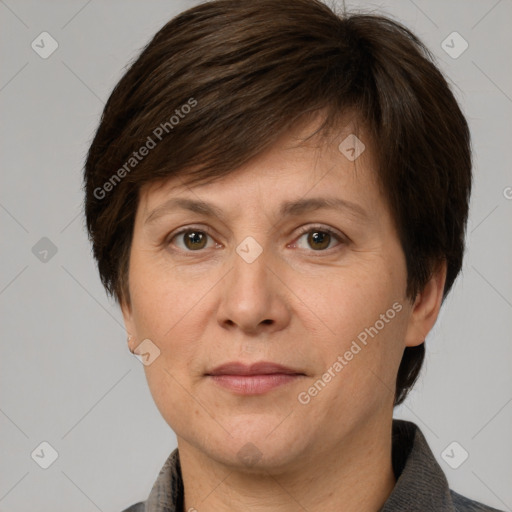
258	446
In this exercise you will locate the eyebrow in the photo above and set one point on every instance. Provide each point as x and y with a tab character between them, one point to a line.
287	209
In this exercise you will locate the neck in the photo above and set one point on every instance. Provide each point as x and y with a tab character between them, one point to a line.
357	476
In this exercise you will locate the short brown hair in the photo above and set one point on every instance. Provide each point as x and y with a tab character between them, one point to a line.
247	71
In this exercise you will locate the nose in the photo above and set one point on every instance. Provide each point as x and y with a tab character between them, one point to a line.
254	298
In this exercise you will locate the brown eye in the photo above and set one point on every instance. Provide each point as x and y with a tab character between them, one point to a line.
190	240
319	240
194	240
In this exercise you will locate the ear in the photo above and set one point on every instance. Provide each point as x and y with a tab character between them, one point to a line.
129	323
426	308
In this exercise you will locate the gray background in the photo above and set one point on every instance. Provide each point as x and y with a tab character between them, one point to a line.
66	374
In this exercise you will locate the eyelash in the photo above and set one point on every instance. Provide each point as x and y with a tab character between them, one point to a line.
304	230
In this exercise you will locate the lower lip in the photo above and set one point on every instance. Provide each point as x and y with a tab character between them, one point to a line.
253	384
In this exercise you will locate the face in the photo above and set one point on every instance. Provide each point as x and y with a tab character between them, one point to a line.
294	262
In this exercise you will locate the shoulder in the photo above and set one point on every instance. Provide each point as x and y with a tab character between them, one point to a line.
138	507
463	504
419	476
167	493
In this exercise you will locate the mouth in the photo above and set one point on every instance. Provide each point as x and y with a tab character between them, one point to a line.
254	379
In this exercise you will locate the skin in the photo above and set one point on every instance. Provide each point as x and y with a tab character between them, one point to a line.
295	305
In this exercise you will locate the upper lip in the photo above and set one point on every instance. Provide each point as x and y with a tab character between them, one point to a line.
261	368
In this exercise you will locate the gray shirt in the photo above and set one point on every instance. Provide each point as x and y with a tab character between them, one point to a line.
421	485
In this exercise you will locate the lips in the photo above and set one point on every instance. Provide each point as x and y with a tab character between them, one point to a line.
254	379
261	368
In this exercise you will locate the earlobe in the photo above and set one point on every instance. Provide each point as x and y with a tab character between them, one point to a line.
426	308
131	343
131	335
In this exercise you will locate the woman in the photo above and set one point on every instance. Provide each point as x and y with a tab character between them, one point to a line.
277	198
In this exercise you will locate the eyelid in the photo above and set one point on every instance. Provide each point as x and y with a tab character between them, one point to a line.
320	227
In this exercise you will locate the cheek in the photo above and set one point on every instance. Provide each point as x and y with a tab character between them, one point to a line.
358	372
349	300
163	297
359	321
172	398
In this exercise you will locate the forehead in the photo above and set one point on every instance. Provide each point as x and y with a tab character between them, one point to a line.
297	166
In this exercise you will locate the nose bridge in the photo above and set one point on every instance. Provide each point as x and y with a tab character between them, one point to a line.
250	280
251	297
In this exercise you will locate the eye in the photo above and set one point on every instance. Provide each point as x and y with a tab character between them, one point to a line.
319	238
192	239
